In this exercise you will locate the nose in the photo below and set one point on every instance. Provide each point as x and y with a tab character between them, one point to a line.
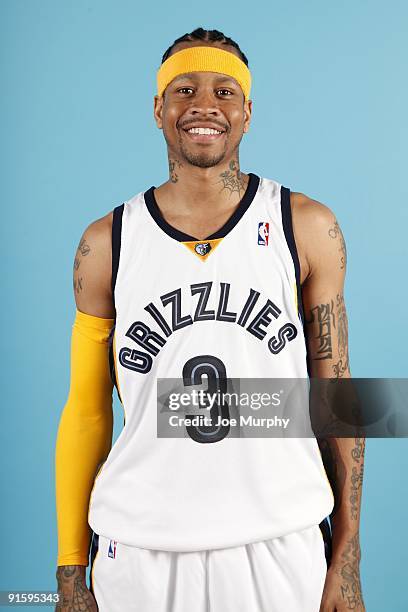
205	102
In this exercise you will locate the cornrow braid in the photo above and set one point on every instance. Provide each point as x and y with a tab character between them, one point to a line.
207	36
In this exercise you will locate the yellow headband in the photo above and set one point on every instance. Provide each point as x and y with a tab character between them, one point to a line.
204	59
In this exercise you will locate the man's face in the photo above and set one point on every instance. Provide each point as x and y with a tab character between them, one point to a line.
199	100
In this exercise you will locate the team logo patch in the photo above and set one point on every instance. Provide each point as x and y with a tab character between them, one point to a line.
202	248
112	549
263	233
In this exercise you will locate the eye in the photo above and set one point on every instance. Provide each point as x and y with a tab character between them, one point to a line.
226	90
184	89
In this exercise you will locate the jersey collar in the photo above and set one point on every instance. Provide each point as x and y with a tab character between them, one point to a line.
243	205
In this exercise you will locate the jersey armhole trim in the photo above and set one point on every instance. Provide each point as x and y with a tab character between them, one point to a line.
290	239
116	243
116	240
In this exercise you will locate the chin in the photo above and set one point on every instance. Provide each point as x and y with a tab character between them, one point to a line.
203	160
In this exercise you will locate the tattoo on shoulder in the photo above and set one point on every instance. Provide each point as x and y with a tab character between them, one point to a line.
84	247
78	284
232	179
336	233
82	251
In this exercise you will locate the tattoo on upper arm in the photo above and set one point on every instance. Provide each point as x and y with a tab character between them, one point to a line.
335	232
343	364
324	318
82	251
78	284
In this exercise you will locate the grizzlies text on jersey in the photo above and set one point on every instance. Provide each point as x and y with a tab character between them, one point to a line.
230	304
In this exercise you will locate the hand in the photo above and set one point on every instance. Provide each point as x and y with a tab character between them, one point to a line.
342	589
74	594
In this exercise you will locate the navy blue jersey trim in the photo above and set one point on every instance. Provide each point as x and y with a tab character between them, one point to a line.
290	239
94	550
116	239
116	243
325	528
244	204
112	362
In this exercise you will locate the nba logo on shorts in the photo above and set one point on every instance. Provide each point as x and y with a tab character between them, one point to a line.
263	233
112	549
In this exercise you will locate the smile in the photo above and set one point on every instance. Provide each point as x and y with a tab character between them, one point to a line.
199	134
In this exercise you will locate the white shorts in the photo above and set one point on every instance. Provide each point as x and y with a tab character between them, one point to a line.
285	574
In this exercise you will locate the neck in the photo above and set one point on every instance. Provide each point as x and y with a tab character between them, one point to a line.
191	188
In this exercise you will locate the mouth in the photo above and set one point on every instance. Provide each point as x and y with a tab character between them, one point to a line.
204	135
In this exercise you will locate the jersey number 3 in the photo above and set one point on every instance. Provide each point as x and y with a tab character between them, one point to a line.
212	367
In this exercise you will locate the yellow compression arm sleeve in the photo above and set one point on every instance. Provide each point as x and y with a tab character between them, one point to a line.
84	436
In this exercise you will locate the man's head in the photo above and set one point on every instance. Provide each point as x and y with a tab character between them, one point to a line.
199	99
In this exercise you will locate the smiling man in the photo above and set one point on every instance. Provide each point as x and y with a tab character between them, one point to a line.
215	274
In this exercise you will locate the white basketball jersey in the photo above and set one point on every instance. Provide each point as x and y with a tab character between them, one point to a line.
232	304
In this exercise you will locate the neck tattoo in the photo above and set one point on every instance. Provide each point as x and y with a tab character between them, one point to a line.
232	179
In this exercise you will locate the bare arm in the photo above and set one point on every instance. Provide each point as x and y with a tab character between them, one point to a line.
326	330
85	430
92	270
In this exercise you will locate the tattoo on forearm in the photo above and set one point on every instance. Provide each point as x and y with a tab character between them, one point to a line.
232	179
66	571
81	597
72	589
356	482
336	233
358	451
349	571
357	474
323	317
173	164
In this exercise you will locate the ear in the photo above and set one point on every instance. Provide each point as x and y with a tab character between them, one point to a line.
158	110
247	114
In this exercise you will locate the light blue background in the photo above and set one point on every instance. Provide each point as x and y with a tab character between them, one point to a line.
78	138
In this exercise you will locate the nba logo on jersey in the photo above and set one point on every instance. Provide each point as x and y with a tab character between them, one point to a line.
112	549
263	233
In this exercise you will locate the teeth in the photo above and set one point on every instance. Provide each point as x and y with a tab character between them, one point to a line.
203	131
